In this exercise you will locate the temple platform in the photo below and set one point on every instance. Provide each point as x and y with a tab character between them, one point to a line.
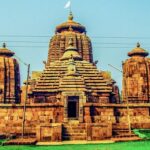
21	141
112	140
75	142
33	141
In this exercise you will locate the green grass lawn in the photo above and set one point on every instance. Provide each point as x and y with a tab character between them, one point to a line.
142	145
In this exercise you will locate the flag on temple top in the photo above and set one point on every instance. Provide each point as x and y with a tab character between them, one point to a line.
68	4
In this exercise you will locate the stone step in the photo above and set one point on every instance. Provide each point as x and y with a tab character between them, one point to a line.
125	135
74	137
21	141
74	131
121	131
124	129
73	122
119	126
2	136
74	127
74	134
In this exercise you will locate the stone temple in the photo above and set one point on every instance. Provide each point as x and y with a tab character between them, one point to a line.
71	99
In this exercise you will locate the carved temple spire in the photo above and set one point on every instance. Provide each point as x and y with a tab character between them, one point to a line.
67	29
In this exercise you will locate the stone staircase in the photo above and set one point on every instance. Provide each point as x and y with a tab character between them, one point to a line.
122	131
74	131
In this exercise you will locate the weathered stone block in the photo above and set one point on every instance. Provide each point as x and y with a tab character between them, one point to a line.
50	132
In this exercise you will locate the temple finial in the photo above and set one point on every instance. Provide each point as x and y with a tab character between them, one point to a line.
70	17
138	44
4	45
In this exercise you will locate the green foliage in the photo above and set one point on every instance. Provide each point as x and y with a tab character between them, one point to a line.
142	133
1	141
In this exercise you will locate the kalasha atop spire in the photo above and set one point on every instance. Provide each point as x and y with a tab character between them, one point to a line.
5	52
70	24
70	17
138	51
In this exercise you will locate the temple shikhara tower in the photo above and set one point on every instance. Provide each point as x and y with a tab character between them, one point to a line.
9	77
136	76
71	99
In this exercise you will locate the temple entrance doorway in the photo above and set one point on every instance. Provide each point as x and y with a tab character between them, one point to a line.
73	107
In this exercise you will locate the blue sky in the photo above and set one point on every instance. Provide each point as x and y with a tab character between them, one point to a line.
115	26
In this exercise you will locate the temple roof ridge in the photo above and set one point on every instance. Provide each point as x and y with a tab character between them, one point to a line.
55	77
70	23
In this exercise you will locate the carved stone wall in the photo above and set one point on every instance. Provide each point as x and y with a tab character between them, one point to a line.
139	117
11	117
49	132
98	114
99	131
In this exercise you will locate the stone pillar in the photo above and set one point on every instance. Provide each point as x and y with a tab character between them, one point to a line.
64	99
82	99
87	117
